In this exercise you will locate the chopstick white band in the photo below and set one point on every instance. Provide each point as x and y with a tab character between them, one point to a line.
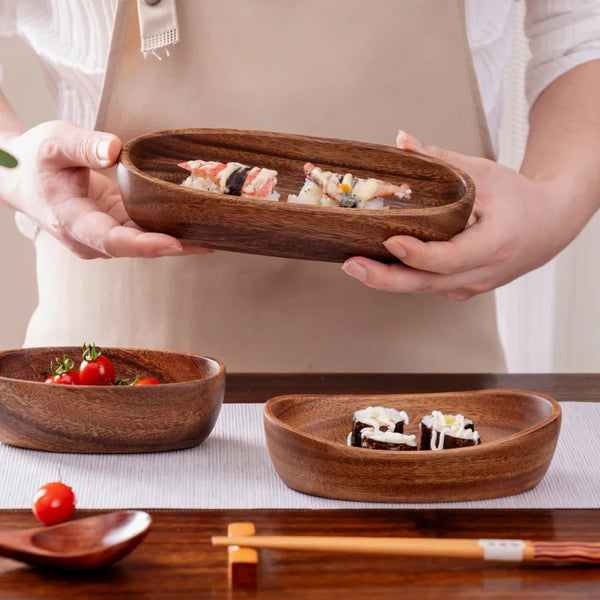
502	549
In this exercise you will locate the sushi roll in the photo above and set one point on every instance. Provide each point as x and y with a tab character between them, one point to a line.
380	419
233	178
442	432
387	440
324	188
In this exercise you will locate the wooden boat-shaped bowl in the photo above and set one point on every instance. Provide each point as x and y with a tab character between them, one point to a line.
307	441
149	178
179	413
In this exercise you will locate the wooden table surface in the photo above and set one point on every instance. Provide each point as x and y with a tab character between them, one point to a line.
176	560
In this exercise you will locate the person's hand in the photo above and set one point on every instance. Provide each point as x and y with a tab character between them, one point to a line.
516	225
56	186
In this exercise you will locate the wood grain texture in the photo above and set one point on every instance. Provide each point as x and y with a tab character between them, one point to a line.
259	387
179	413
176	561
150	181
567	551
307	441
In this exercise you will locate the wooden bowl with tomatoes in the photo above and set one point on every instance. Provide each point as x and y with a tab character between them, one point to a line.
109	400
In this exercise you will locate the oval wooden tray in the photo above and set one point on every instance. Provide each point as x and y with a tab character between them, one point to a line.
150	180
179	413
307	441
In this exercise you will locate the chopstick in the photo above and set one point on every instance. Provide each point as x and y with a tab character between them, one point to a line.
483	549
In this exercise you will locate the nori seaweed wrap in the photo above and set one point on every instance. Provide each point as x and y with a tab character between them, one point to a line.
387	440
380	419
443	432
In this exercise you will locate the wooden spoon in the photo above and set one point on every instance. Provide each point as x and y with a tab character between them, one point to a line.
80	544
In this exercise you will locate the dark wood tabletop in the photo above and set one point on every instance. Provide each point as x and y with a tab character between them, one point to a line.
177	561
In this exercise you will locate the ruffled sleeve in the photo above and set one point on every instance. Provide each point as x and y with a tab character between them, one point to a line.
562	35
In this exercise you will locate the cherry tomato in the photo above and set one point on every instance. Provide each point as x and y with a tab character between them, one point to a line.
54	503
95	369
146	381
62	371
70	378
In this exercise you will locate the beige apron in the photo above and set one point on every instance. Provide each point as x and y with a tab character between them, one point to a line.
338	68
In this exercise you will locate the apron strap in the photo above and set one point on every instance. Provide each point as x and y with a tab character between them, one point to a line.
159	27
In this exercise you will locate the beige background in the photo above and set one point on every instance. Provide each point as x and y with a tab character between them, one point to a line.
23	85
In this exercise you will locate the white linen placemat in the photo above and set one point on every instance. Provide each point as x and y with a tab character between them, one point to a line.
232	469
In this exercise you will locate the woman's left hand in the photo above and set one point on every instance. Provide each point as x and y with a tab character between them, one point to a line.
516	225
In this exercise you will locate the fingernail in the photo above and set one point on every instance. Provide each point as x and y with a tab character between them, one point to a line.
102	148
395	247
170	251
406	141
353	269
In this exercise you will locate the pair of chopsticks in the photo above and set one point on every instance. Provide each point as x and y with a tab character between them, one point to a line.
483	549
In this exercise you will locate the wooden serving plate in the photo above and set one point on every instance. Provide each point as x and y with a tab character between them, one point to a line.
307	441
179	413
150	180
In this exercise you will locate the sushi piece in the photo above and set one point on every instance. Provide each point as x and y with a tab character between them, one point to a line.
379	418
442	432
387	440
324	188
233	178
312	194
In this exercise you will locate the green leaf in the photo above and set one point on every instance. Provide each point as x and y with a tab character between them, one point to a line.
8	160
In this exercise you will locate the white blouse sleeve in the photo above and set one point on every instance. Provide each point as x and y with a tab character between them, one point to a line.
8	17
562	34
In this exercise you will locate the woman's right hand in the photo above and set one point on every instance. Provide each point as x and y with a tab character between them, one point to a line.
55	184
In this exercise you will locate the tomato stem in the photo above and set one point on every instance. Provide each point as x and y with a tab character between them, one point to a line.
122	382
63	365
91	352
